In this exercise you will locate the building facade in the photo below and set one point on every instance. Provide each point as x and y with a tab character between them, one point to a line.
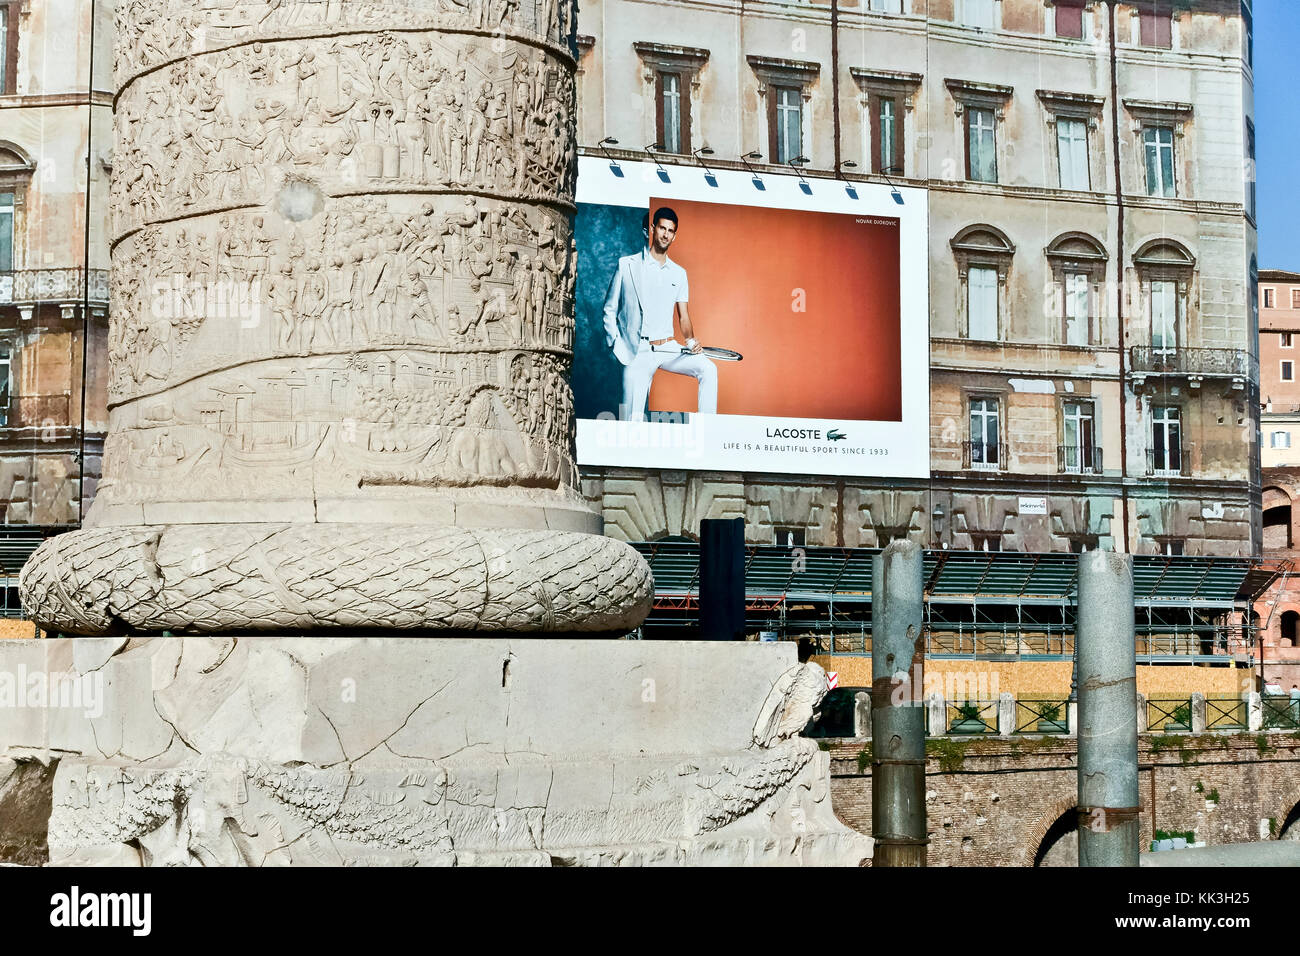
1277	612
1279	370
55	159
1092	247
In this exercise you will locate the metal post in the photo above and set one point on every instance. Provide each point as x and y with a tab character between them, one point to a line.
897	715
1108	757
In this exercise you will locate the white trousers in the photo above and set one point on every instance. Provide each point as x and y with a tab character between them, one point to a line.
638	376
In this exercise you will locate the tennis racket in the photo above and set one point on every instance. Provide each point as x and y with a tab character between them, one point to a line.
712	351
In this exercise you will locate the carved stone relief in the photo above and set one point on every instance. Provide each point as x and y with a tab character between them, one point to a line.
342	292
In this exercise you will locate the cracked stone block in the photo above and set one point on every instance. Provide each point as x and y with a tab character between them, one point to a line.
344	751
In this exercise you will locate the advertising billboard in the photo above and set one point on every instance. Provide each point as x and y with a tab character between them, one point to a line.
759	323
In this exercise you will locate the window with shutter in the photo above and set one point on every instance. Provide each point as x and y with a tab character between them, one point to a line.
984	447
1072	150
1159	143
982	303
8	49
979	13
1164	315
6	232
1156	24
981	154
1077	301
673	130
1069	19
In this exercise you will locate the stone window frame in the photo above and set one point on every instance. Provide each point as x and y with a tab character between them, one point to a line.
1146	114
968	94
16	177
875	85
1079	252
798	74
1153	262
966	254
1077	106
685	61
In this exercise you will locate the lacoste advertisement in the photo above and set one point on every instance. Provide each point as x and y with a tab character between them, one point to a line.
758	324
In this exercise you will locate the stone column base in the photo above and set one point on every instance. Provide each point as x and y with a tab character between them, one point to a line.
374	577
251	751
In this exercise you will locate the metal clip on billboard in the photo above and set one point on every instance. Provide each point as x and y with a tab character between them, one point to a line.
748	330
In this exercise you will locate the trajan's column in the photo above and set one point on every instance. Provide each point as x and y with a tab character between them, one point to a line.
341	330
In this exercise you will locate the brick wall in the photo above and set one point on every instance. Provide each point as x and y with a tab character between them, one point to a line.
991	802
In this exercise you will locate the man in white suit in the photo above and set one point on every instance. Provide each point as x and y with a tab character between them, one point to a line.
646	289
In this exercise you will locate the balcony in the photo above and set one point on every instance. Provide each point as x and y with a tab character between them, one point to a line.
32	286
981	456
1078	460
1167	463
1195	365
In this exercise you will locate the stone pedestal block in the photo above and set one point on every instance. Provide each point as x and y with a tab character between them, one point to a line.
305	751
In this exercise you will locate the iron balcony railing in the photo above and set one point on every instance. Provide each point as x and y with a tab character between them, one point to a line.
32	286
1078	460
1167	462
982	456
1227	363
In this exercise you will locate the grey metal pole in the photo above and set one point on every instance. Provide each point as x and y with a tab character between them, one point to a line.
897	711
1108	756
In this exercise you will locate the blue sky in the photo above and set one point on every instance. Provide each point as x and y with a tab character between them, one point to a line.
1277	133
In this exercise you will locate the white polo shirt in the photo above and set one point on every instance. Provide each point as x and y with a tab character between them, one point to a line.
660	287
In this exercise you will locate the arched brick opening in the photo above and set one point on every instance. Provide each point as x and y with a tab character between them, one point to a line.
1279	518
1288	813
1035	834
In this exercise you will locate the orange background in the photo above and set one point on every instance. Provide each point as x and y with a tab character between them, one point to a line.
838	359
